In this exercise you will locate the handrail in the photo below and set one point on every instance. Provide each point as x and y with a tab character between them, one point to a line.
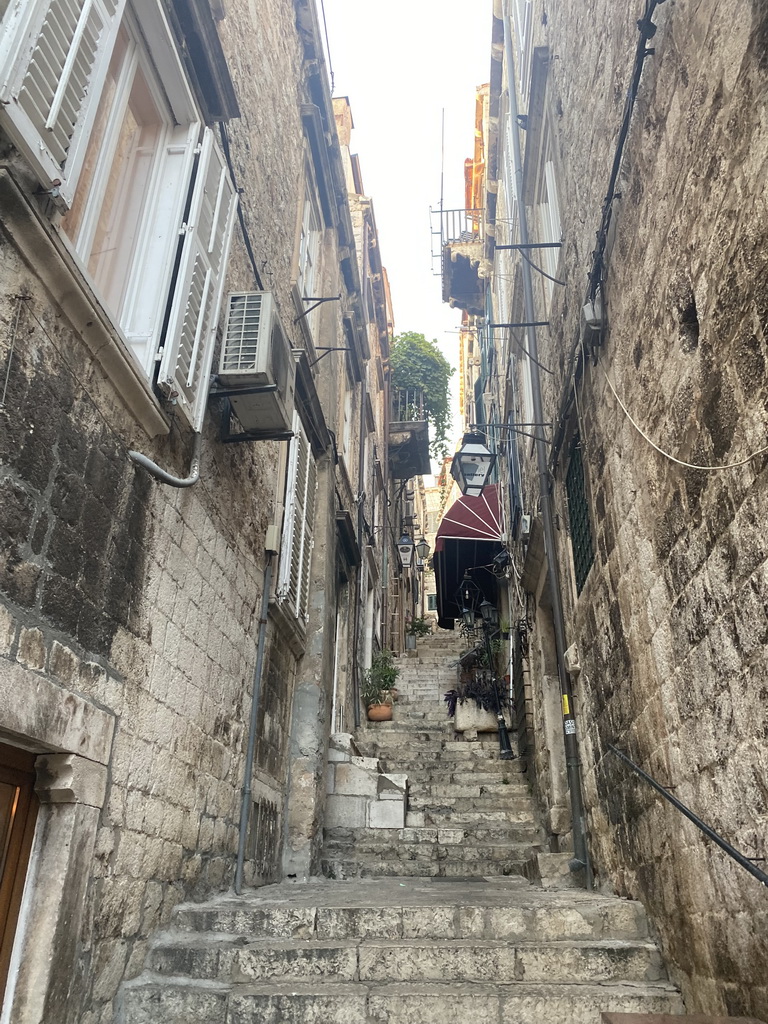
708	831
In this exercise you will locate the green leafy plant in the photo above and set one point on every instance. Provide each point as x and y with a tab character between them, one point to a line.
379	679
478	686
418	363
419	627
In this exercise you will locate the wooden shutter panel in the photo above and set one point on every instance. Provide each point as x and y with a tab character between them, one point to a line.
191	333
302	609
53	60
296	555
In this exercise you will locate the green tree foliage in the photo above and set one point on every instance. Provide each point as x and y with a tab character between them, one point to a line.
418	363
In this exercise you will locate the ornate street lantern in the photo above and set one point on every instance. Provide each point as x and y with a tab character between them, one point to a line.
423	549
472	465
405	551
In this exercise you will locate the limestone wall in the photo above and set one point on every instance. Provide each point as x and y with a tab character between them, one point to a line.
142	602
671	621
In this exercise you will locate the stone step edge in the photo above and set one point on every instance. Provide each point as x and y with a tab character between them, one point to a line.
173	938
152	980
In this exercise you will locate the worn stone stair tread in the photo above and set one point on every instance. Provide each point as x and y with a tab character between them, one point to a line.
446	1002
228	959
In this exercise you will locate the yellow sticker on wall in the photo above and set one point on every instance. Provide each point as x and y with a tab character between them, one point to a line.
566	707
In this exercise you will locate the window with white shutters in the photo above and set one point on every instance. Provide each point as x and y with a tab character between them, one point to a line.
53	59
548	210
296	551
188	348
94	96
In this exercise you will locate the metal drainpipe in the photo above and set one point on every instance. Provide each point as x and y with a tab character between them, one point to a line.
255	695
166	478
360	519
573	764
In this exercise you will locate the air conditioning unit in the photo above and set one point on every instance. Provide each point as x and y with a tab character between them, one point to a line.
255	351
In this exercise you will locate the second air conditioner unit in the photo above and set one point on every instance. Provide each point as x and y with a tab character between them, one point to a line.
255	351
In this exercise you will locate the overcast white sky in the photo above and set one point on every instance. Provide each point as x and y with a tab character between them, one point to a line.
401	63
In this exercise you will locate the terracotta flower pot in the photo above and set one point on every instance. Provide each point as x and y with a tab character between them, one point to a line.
380	713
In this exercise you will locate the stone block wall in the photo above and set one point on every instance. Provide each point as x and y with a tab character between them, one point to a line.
671	621
142	602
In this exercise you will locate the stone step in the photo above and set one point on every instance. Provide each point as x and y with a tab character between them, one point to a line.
470	788
467	853
512	910
438	816
221	958
477	834
151	998
371	867
466	760
503	802
470	775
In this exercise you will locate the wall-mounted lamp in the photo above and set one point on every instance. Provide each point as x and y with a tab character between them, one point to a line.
405	551
472	465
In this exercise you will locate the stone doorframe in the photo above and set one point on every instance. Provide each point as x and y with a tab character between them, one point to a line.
73	739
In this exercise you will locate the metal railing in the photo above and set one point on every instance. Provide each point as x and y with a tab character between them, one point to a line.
450	226
745	862
407	405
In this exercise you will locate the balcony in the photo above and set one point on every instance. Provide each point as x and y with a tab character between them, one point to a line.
463	266
408	434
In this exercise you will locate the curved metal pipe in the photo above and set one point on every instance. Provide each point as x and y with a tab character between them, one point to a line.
166	478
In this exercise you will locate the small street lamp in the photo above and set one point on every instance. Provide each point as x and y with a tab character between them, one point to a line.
468	617
490	614
405	551
472	465
423	549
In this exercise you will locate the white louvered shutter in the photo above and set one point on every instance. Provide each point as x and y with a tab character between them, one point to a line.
296	553
53	59
191	333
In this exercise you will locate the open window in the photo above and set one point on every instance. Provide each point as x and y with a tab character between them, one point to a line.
95	97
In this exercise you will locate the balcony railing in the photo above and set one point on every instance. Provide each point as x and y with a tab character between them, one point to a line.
407	406
450	227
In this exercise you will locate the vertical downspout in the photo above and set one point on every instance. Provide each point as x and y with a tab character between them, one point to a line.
356	623
572	762
245	807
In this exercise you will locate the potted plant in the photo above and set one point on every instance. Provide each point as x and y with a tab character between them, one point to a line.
415	628
474	702
378	683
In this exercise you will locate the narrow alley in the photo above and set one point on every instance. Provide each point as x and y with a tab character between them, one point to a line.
383	547
435	922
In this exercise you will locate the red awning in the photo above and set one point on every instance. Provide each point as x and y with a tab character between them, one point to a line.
472	519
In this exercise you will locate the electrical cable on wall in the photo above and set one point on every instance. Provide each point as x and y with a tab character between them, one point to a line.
240	214
680	462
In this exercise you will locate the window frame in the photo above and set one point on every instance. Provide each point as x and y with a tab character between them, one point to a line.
156	276
308	248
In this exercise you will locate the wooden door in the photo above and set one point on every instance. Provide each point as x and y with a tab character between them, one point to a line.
18	811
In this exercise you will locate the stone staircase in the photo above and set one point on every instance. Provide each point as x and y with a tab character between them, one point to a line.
390	951
432	923
469	813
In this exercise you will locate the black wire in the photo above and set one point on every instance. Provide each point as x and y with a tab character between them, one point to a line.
647	30
543	273
240	214
522	348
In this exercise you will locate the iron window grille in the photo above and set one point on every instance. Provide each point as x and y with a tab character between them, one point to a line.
578	516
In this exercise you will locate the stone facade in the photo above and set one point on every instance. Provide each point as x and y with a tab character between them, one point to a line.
668	608
130	610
